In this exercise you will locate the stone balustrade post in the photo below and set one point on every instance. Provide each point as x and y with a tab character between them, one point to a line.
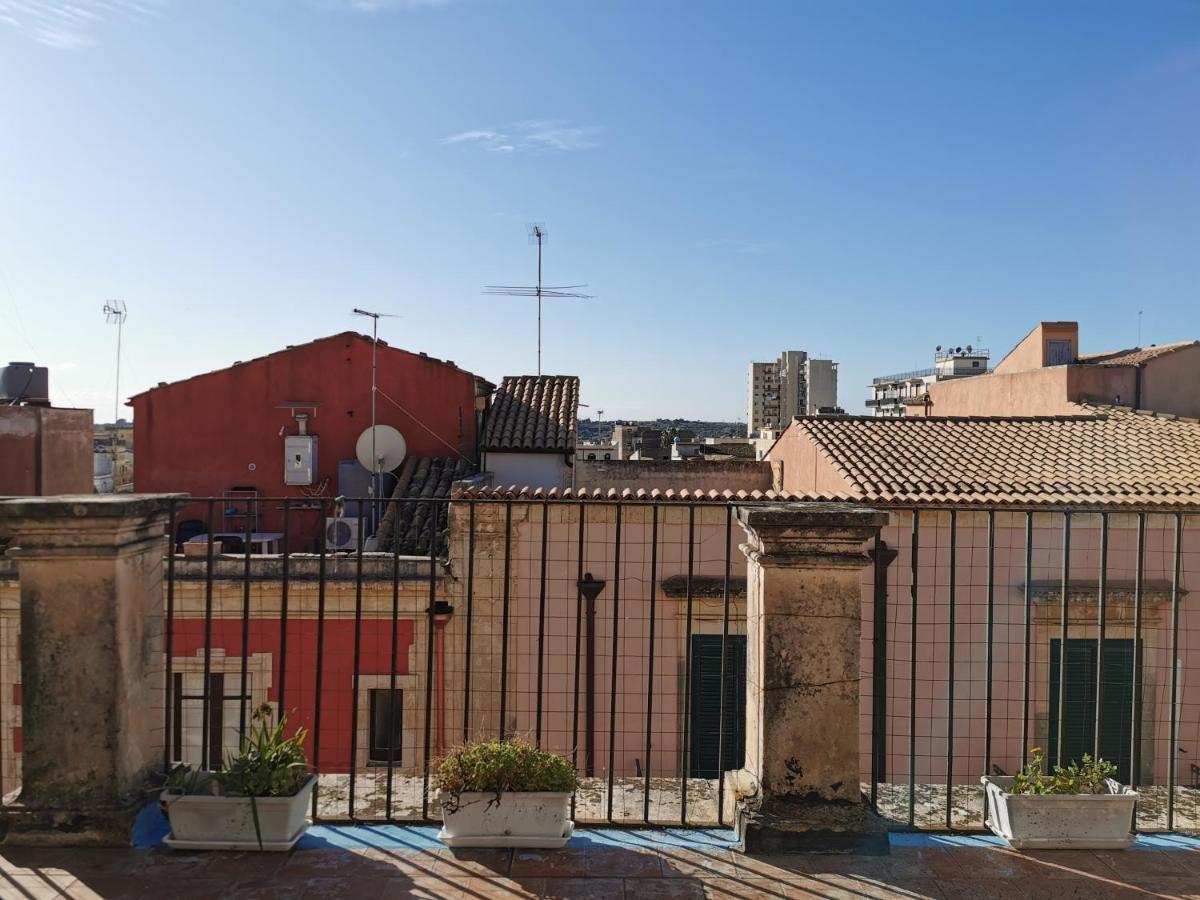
90	570
803	626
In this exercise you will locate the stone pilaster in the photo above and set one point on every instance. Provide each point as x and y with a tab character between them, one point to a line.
90	570
804	603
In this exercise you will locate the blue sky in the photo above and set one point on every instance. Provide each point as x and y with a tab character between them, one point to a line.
862	180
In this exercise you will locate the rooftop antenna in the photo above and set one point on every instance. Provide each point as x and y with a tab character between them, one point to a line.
374	317
537	234
115	314
1139	342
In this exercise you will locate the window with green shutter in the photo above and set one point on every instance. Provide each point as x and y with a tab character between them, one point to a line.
706	704
1079	708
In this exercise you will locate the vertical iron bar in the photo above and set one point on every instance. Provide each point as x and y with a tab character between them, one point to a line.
650	663
950	677
687	669
724	669
1062	640
430	624
541	641
283	608
470	614
878	671
320	660
504	615
168	741
912	676
1028	623
243	683
392	710
612	700
1173	748
1102	623
358	592
1135	731
578	642
991	630
206	703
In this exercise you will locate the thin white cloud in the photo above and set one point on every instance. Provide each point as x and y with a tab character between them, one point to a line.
537	135
71	24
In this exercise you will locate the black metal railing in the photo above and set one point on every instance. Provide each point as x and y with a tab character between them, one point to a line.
559	622
997	631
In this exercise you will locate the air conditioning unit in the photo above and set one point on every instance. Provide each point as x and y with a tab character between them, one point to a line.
341	533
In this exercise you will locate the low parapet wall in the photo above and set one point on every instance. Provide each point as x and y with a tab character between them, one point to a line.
731	475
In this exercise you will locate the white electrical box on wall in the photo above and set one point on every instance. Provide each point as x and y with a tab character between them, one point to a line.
299	459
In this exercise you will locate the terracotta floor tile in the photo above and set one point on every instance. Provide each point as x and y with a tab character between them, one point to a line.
36	886
423	887
1185	888
1032	888
846	885
1148	863
359	886
403	862
778	865
664	889
559	863
465	863
326	863
620	863
680	863
746	888
583	889
502	888
1067	864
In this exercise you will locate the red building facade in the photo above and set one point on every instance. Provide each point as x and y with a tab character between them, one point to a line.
225	430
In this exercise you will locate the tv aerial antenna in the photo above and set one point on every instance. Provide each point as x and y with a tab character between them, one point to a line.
537	234
374	317
115	313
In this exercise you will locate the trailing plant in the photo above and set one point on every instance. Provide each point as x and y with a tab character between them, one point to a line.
269	764
498	767
1088	776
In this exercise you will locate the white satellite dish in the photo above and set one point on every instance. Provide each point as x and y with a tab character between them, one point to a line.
389	448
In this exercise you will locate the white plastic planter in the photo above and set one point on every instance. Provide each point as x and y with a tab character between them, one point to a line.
202	822
514	819
1061	821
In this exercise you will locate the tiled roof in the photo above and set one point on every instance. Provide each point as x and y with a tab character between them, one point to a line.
1104	456
407	527
641	495
1133	357
533	414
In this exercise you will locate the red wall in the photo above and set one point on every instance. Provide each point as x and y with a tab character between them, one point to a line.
200	436
337	664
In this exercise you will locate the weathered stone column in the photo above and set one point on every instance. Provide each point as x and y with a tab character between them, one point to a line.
803	621
90	568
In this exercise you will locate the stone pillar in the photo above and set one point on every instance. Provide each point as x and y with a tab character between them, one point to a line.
803	626
90	570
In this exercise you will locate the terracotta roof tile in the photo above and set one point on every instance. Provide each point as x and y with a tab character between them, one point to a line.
1104	456
641	495
1133	357
407	527
533	413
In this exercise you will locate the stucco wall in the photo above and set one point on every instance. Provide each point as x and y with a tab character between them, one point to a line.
1171	383
1030	353
724	475
202	435
45	450
805	469
532	470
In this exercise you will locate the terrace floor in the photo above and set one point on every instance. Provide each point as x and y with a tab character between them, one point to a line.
375	862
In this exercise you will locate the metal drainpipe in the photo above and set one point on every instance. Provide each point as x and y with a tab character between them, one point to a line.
590	588
439	661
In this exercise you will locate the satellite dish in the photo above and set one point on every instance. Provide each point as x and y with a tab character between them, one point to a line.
389	448
938	348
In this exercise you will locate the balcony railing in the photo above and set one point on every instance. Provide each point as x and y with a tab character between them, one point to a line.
614	630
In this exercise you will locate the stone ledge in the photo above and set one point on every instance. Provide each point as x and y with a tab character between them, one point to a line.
810	826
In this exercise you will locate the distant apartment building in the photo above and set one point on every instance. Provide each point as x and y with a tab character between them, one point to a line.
793	385
891	393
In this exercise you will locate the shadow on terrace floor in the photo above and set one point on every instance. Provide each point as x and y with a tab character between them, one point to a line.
393	862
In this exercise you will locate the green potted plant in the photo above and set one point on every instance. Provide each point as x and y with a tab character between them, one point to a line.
258	799
505	794
1079	806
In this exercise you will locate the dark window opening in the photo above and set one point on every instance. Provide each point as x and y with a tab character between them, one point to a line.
387	721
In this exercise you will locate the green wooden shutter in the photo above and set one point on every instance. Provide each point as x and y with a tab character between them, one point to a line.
706	704
1079	709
